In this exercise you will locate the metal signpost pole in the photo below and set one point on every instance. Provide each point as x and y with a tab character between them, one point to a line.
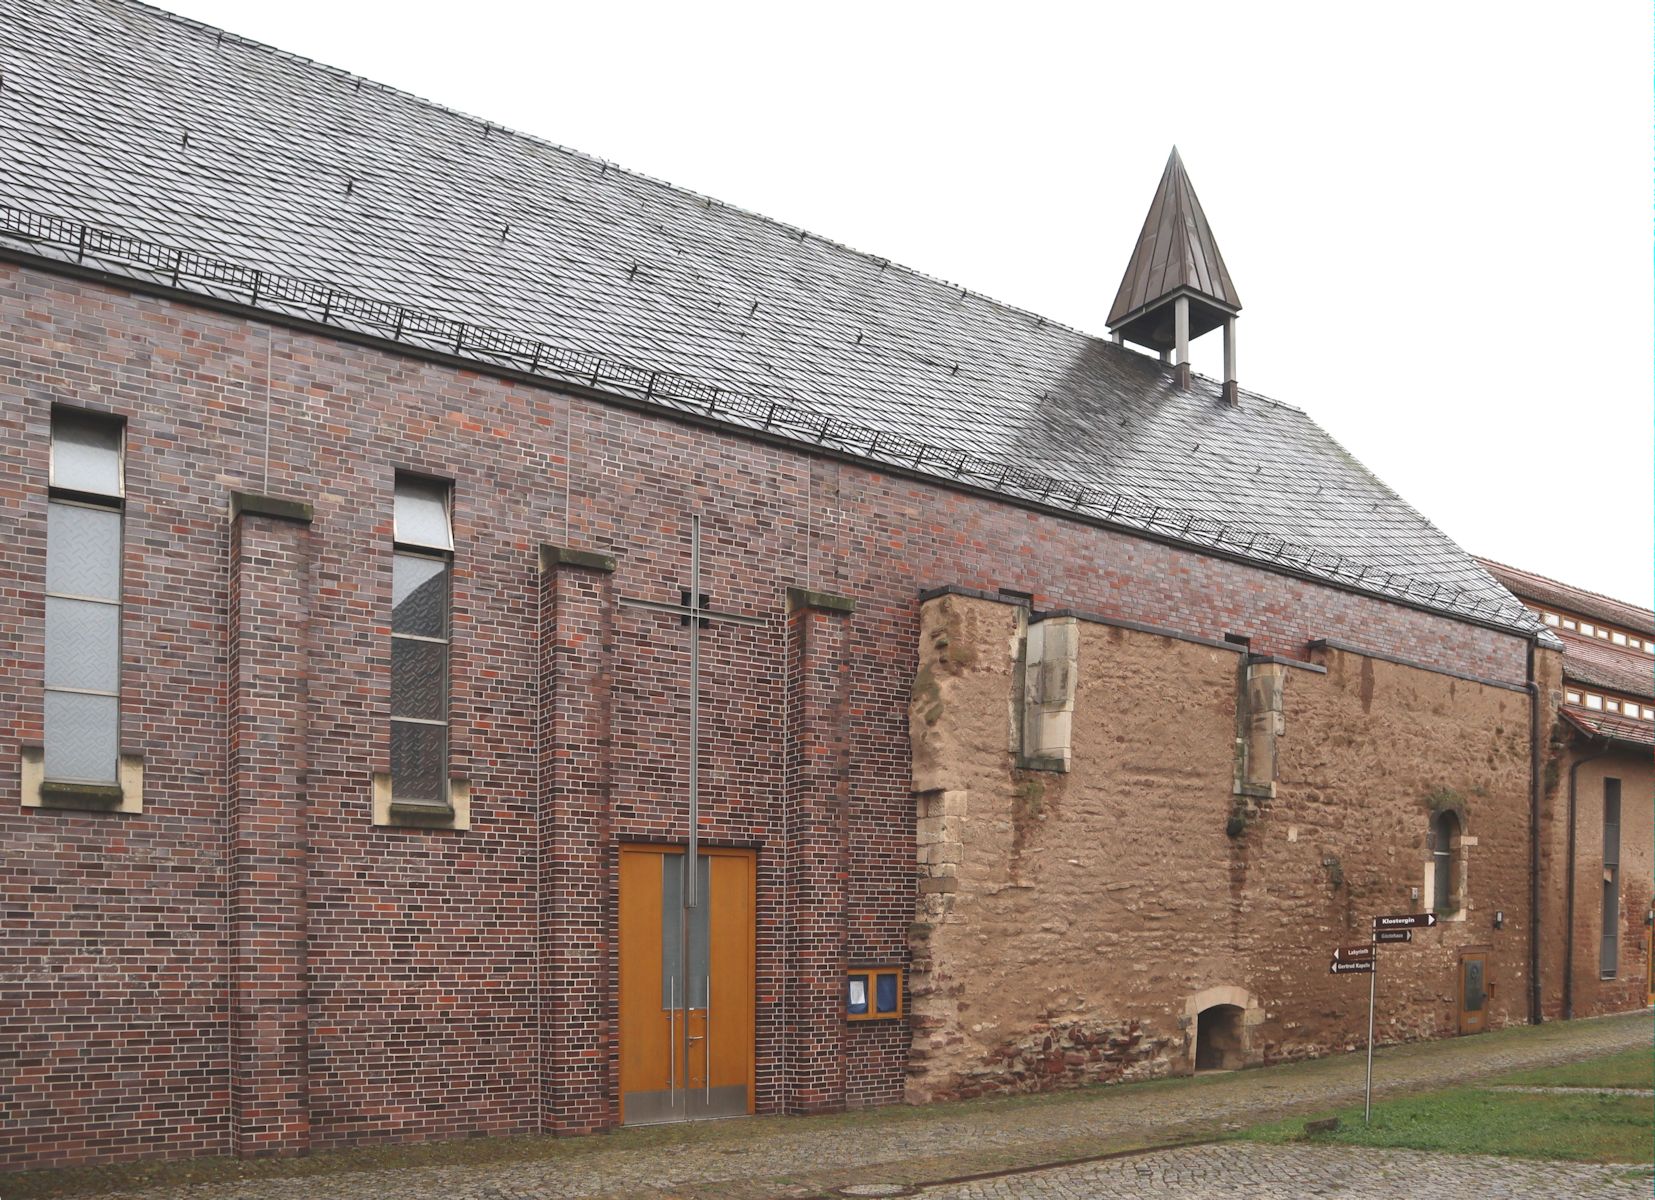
1373	985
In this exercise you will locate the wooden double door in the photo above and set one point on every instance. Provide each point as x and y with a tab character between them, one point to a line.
686	985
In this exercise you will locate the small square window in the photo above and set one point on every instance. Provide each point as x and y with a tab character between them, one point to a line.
1568	624
1649	714
1604	634
422	513
1614	706
873	993
1550	618
1594	702
1649	646
86	452
1571	697
1587	628
1618	638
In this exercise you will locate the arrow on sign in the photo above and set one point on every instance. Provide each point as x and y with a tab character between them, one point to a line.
1406	921
1350	968
1393	935
1353	954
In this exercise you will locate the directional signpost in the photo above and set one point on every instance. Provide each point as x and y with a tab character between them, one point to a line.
1364	960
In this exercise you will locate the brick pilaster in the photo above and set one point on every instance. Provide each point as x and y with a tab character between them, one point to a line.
576	645
816	799
269	695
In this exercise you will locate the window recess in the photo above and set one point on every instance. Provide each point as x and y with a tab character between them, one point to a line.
421	567
80	761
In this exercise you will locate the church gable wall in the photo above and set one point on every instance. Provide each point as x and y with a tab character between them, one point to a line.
1072	926
426	957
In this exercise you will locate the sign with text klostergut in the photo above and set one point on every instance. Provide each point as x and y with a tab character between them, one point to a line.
1405	921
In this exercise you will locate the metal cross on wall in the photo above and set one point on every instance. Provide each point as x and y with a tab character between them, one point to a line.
693	603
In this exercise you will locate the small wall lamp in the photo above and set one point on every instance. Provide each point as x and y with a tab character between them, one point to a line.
1500	919
1649	918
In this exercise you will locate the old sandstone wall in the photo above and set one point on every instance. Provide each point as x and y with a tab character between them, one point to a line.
1072	926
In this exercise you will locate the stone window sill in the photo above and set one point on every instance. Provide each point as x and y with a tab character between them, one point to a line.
456	814
124	796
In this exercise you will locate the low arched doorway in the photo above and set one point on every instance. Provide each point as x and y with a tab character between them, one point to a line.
1219	1036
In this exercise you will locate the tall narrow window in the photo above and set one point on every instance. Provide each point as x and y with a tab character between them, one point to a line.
83	600
419	643
1609	960
1445	831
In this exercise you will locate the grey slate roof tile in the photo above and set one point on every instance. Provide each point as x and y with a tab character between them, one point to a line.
298	170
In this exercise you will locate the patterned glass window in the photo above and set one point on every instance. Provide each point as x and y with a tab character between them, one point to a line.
419	643
83	600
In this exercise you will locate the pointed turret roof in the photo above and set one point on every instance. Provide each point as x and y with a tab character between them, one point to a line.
1175	251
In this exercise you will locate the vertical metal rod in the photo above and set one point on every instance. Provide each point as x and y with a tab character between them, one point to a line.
1373	984
692	875
707	1032
672	1038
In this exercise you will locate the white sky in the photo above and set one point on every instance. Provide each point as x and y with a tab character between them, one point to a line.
1437	216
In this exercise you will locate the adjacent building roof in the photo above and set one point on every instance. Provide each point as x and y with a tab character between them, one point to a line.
1593	662
1638	735
1554	593
1588	660
160	149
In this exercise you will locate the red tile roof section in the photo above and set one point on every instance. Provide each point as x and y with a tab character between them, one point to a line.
1526	585
1596	663
1610	727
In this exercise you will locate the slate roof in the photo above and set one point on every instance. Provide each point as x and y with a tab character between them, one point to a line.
1176	249
158	148
1636	734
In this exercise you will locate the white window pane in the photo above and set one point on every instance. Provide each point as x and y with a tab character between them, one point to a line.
1571	697
422	513
1614	706
1618	638
1649	714
83	551
86	453
83	645
1595	702
1568	624
1551	618
81	737
1587	628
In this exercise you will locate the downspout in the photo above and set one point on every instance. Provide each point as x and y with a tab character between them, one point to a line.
1534	839
1569	903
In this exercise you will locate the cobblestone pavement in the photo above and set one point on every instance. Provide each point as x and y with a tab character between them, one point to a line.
1246	1171
765	1158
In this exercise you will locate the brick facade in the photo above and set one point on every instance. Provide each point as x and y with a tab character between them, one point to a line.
459	982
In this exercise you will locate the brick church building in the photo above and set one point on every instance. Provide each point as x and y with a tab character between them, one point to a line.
495	643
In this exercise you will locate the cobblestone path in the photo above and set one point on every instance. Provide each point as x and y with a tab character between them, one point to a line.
765	1158
1245	1171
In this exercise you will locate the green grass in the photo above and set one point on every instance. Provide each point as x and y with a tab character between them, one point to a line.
1580	1128
1629	1069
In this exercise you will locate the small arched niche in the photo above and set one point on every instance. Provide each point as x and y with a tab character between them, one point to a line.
1219	1021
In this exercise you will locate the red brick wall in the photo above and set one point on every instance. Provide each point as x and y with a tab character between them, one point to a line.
436	1006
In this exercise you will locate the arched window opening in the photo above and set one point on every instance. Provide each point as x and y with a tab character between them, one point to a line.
1445	859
